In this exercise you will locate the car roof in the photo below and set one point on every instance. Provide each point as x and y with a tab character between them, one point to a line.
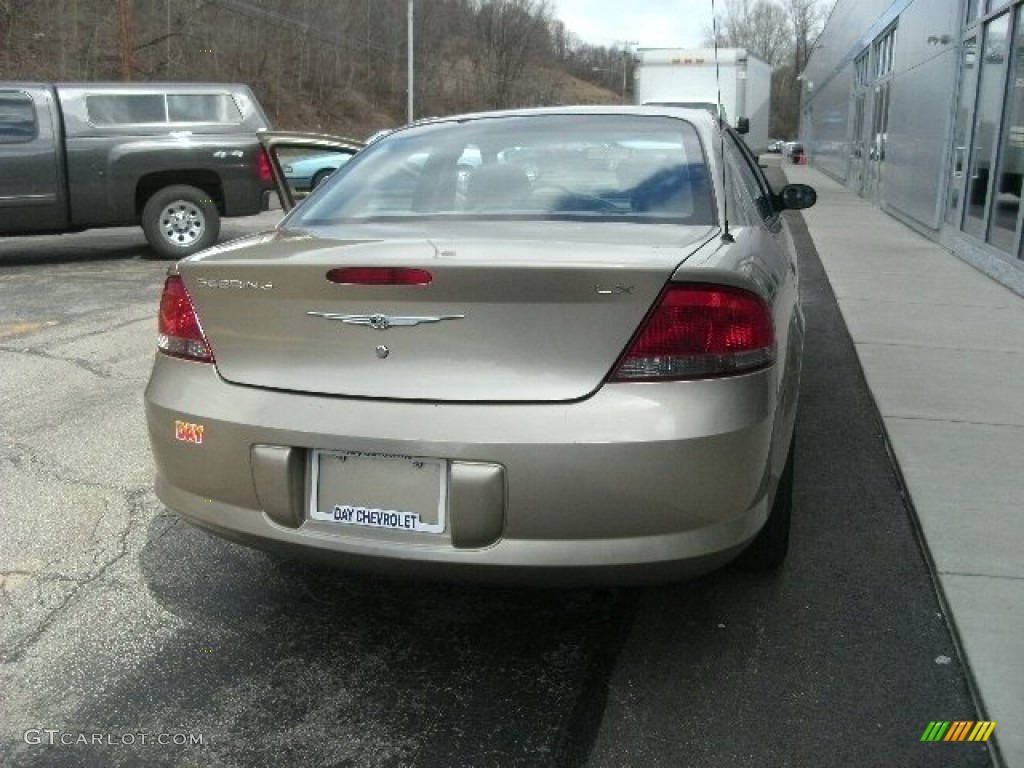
697	116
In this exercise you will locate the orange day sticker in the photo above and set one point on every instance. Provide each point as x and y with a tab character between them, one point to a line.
188	433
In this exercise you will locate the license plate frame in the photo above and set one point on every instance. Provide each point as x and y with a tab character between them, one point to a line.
388	492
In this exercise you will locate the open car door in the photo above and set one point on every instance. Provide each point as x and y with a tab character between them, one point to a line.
300	162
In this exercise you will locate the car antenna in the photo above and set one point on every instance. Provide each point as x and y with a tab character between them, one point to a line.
726	235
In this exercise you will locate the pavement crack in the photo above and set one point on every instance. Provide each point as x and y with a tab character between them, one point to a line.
963	422
134	501
149	318
25	458
989	576
96	369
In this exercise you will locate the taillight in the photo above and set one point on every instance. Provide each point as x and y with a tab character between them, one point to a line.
263	167
178	331
700	331
379	276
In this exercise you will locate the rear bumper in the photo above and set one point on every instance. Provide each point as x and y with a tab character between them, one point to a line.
640	482
245	197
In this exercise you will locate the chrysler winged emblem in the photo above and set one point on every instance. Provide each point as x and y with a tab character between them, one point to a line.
383	322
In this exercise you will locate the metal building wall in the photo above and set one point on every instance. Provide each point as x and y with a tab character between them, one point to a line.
827	84
826	124
920	112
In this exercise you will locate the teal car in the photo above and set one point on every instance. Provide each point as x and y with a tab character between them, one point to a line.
307	173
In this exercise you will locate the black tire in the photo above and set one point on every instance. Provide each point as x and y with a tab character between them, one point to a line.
319	177
769	548
179	221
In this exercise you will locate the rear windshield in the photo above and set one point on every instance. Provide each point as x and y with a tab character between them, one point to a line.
640	168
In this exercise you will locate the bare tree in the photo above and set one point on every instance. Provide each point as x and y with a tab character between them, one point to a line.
807	18
512	34
332	65
762	27
6	30
782	32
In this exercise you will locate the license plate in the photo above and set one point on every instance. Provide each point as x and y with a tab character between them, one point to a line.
401	493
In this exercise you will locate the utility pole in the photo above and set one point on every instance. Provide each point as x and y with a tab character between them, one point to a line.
625	45
125	15
409	74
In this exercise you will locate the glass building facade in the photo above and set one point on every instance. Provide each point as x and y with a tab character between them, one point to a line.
918	106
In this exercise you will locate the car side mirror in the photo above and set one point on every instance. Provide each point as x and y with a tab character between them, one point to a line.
743	125
796	197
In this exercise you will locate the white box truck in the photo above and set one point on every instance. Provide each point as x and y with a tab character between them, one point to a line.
689	77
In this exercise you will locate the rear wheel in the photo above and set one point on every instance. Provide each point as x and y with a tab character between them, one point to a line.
769	548
179	221
320	177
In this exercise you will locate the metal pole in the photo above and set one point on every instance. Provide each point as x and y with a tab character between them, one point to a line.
625	46
409	74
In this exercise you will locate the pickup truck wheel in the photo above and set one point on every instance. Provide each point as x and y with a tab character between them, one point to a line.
179	221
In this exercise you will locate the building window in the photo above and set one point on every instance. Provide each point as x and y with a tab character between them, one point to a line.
884	52
861	71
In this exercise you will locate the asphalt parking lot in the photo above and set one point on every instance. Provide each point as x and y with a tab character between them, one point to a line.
118	620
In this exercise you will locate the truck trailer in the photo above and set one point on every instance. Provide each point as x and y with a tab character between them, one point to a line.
694	77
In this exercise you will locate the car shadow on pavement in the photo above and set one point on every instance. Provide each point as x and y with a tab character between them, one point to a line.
275	658
68	250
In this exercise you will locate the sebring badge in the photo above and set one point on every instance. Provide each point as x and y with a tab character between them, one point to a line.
383	322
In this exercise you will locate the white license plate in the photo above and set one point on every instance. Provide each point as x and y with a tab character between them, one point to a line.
402	493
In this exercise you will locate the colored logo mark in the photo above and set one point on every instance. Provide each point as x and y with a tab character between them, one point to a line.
188	433
958	730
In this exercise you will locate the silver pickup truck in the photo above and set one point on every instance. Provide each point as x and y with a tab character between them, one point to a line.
174	158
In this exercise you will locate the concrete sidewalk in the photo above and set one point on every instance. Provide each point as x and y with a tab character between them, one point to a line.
942	348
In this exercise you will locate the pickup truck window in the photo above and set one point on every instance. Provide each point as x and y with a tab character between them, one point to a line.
17	118
139	108
202	108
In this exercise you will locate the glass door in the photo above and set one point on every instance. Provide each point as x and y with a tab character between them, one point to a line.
988	113
961	125
879	134
858	141
1005	224
883	59
856	172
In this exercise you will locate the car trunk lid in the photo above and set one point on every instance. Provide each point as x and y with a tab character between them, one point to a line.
508	320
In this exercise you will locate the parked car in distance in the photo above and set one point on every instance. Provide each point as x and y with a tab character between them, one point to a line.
305	173
300	168
559	346
775	145
792	148
172	157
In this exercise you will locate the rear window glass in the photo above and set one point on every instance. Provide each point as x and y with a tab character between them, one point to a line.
139	108
642	168
17	118
202	108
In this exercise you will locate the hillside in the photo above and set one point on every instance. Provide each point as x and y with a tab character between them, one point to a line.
336	66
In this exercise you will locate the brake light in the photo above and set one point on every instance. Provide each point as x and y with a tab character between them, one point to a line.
178	331
700	331
379	276
263	167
